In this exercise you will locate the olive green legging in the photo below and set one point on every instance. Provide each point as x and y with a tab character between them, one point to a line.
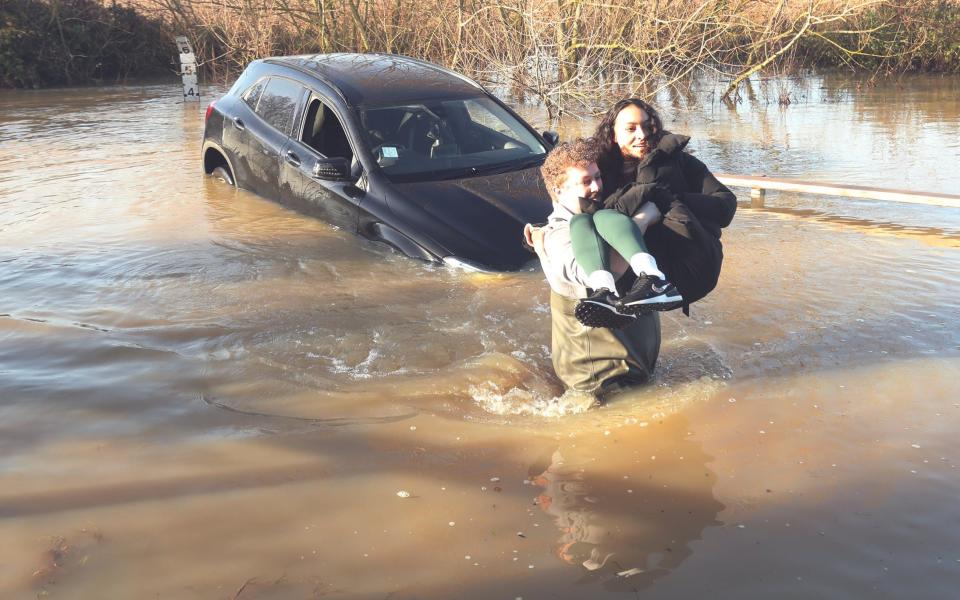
592	235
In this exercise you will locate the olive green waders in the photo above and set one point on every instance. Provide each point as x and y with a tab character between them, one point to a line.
589	359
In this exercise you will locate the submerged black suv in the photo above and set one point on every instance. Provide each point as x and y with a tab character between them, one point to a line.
397	149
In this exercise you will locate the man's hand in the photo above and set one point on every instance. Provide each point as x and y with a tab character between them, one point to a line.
534	237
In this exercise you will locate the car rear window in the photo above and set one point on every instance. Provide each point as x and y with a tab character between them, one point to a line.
253	93
278	103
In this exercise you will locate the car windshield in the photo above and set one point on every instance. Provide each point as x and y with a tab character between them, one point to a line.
444	139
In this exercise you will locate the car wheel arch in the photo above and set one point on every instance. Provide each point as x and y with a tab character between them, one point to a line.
382	232
213	157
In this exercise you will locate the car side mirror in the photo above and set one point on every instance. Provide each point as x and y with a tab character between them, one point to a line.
551	136
332	169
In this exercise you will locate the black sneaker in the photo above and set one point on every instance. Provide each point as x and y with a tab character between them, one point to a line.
650	293
599	309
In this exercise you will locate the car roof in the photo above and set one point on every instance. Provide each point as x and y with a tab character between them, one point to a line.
377	79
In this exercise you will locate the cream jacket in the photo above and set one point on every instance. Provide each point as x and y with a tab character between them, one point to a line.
565	276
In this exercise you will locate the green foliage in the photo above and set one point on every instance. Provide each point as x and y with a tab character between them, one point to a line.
61	42
941	49
909	35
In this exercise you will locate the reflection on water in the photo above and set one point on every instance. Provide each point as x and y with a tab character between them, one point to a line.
619	526
203	394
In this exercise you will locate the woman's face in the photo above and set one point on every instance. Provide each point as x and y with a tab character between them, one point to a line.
632	131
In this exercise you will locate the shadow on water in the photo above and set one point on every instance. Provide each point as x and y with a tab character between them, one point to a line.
934	236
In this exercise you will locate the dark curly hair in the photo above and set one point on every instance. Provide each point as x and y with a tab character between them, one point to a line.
609	156
578	153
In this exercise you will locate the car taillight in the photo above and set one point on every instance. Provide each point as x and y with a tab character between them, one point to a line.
209	110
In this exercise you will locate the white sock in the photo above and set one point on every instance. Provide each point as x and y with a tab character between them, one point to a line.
641	262
602	279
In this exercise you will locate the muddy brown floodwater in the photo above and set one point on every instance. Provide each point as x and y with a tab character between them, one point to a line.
205	395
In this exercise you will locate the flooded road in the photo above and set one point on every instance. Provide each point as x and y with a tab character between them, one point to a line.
205	395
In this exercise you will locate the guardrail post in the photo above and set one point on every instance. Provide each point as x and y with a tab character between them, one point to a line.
757	197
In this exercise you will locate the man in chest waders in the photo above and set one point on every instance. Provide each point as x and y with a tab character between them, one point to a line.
587	359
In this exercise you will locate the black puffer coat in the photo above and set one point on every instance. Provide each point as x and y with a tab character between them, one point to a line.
694	205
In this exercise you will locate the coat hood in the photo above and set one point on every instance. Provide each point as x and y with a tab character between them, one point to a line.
671	143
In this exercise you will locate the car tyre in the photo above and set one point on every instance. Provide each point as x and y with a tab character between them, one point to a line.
223	174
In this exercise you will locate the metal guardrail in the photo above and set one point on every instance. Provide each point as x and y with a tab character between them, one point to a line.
759	184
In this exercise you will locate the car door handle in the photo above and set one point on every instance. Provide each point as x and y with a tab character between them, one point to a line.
238	123
292	158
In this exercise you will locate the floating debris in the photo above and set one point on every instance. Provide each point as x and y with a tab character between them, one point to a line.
452	523
915	445
403	494
595	562
630	572
494	479
521	534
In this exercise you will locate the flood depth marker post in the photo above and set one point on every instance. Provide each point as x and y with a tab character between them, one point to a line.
188	69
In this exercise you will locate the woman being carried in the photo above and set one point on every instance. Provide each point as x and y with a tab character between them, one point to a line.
664	212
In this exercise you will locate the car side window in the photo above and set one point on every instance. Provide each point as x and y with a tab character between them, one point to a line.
253	93
278	103
323	131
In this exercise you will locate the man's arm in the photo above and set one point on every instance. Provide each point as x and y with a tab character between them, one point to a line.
557	259
648	215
